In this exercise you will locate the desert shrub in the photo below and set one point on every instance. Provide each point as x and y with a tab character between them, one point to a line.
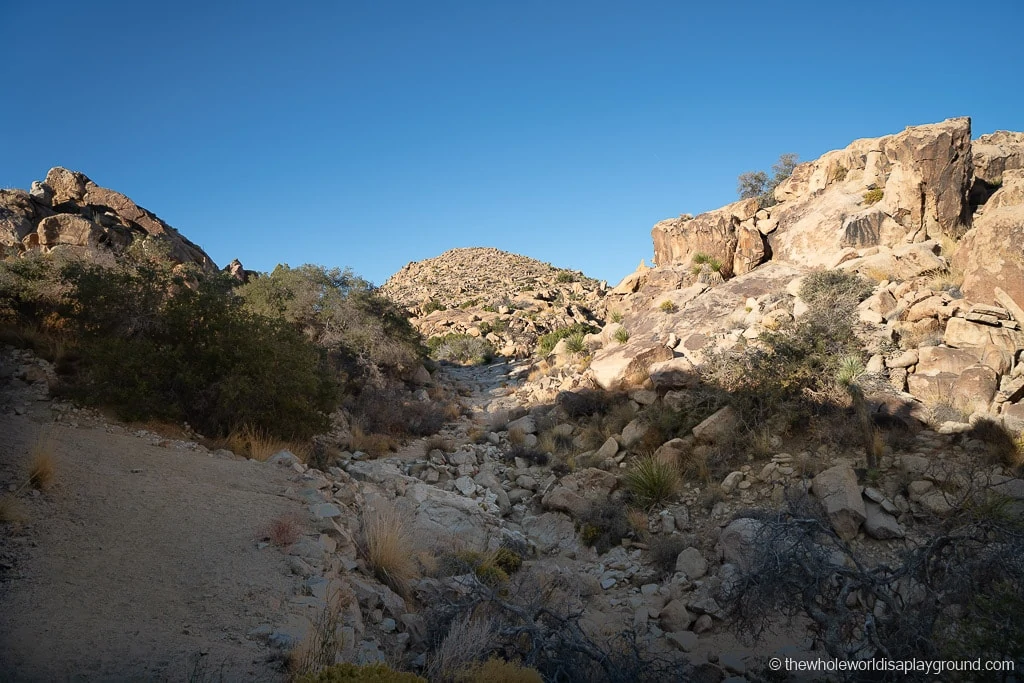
793	370
799	567
873	196
839	174
392	411
565	276
1001	445
498	671
615	316
461	348
283	531
828	289
535	621
365	673
664	549
668	306
546	343
340	312
652	481
621	335
156	344
467	640
431	306
556	443
582	403
604	525
757	184
532	455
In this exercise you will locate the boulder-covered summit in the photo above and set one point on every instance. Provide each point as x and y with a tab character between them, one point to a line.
68	211
506	298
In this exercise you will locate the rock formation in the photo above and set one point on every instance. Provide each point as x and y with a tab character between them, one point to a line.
69	211
506	298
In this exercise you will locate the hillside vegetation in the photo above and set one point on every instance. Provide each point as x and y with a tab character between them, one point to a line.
154	340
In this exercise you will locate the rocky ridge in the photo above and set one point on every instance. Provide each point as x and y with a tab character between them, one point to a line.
69	212
508	299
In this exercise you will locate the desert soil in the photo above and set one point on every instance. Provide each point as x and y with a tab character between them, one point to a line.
141	562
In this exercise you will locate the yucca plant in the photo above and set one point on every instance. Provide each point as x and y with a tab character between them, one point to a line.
653	482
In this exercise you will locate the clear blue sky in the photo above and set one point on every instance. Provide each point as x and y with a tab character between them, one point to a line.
371	134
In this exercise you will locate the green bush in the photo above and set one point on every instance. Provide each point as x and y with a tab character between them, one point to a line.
757	184
340	311
668	306
431	306
367	673
873	196
604	525
621	335
461	348
155	344
546	343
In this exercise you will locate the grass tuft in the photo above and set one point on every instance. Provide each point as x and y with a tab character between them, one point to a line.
11	510
42	467
386	547
283	531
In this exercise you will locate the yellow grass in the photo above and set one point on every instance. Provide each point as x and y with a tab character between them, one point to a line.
11	510
258	445
387	544
42	466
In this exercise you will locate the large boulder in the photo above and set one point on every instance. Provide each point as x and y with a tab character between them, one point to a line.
714	234
839	492
576	493
621	366
989	252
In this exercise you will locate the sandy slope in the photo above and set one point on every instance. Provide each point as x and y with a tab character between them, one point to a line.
138	561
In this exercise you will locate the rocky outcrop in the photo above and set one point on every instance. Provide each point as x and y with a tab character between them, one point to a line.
990	253
714	234
996	153
68	210
877	192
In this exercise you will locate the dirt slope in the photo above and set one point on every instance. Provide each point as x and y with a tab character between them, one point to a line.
140	561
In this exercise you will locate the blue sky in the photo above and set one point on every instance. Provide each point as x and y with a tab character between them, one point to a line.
371	134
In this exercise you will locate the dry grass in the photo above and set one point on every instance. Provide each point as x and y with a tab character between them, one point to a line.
498	671
284	531
516	436
639	522
11	510
436	443
539	371
468	640
42	466
259	445
376	445
322	643
386	546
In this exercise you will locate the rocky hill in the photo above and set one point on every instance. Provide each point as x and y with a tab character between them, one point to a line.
506	298
68	211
